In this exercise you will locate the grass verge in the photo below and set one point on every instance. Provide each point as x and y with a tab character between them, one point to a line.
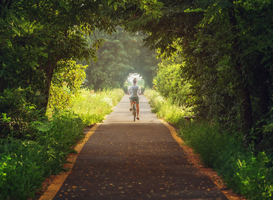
25	163
244	171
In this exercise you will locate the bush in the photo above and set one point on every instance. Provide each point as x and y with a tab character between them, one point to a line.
170	83
23	166
18	108
243	171
92	107
25	163
125	88
165	108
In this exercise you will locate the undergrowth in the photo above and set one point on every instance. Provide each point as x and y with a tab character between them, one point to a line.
27	161
244	170
165	109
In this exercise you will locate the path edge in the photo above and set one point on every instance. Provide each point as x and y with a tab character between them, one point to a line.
54	187
181	144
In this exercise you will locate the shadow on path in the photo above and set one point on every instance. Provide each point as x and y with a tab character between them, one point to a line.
134	160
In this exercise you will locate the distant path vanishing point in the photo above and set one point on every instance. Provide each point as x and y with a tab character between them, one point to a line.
125	160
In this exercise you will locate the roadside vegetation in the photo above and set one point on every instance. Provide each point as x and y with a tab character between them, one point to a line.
39	148
165	108
217	66
48	51
216	63
244	169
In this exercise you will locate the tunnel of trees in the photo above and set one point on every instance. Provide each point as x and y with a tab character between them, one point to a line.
225	47
216	56
121	53
224	51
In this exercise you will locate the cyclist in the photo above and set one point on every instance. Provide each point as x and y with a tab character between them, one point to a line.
135	91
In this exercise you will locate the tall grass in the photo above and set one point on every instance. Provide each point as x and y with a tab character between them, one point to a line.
92	107
26	162
245	171
165	109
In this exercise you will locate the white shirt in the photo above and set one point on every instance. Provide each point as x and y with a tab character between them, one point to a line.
134	91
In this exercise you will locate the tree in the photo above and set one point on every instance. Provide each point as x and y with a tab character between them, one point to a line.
169	81
121	53
35	36
39	41
225	46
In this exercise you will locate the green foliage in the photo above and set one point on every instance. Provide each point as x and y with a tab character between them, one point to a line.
170	84
60	99
35	36
21	171
66	82
121	53
92	107
25	163
230	69
169	24
18	108
255	177
226	47
165	107
69	74
243	171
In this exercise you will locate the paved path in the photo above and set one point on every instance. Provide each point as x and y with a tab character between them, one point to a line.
134	160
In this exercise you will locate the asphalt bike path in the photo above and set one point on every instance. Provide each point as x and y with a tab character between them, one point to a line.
125	160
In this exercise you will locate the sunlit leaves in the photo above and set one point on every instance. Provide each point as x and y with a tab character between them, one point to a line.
36	35
170	83
69	74
120	54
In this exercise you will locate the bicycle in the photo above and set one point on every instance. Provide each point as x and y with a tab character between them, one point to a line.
134	110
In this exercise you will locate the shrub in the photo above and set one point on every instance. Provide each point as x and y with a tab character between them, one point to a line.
25	163
18	108
244	171
23	166
165	108
92	107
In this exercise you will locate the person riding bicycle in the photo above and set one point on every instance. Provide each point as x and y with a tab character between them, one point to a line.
135	91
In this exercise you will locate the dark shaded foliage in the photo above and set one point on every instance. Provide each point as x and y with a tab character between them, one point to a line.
226	47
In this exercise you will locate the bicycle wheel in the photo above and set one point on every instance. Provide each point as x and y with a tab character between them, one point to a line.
134	111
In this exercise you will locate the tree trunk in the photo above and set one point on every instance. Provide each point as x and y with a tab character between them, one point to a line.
49	74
